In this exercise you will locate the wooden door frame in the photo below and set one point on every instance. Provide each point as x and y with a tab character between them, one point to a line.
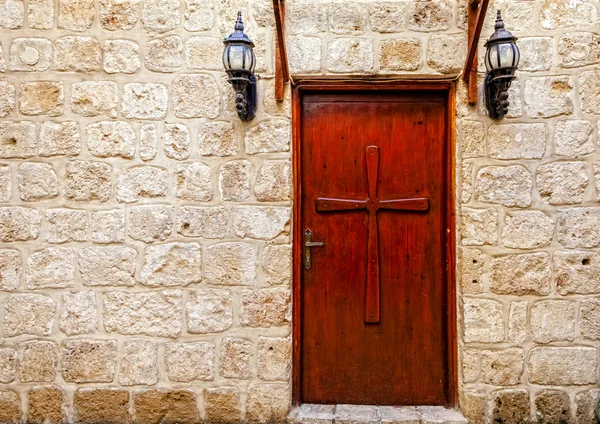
333	85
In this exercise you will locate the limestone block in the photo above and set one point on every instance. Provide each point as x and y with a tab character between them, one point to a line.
7	98
577	49
277	264
204	222
11	269
19	224
75	15
267	402
111	139
562	183
274	358
118	14
576	272
161	15
46	404
88	181
521	274
472	406
589	316
209	311
237	358
263	13
172	264
505	185
59	139
10	407
471	262
142	182
77	54
25	51
548	96
510	406
585	404
79	314
53	267
596	168
148	142
517	322
483	321
204	53
64	225
536	53
231	264
350	55
589	84
388	16
234	180
517	141
275	107
195	96
150	223
307	17
107	265
108	226
193	182
274	181
8	364
559	366
106	406
347	18
579	227
446	53
17	139
260	222
166	406
177	142
12	14
139	363
199	15
37	181
217	138
95	98
346	414
304	54
144	101
503	367
269	137
37	361
479	226
2	61
28	314
164	54
190	361
265	308
223	404
315	413
156	314
573	138
553	406
400	55
42	98
557	14
121	56
5	184
553	320
429	15
527	230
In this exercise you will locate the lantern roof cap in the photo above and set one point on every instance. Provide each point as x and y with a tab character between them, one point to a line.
500	34
238	36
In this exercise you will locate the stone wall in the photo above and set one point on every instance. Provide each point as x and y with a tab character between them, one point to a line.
145	261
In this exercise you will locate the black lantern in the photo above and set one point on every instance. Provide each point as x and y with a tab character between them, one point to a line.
501	61
239	62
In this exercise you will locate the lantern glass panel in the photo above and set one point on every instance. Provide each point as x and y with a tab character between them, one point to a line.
233	58
507	55
249	63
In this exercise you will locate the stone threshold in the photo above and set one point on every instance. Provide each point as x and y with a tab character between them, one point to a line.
368	414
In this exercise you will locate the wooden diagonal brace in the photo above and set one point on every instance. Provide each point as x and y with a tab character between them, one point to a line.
477	12
282	73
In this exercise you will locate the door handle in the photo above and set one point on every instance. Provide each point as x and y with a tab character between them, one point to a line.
308	244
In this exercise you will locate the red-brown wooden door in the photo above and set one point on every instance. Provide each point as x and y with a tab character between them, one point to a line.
375	302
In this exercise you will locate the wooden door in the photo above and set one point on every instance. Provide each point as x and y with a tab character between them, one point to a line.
374	297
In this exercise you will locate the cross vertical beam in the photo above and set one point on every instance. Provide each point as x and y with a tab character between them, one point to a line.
476	15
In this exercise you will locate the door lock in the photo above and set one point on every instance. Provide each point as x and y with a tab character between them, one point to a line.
308	244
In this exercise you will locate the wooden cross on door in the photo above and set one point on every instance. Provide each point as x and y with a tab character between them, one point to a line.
372	204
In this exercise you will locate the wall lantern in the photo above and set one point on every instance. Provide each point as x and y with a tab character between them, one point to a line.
501	61
239	62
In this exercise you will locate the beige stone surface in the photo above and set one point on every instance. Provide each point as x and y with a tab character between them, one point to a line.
139	182
553	320
64	225
11	269
193	182
117	14
28	314
579	228
190	361
509	406
553	406
172	264
77	54
108	226
267	402
234	180
265	308
483	320
37	361
217	139
517	141
274	359
79	313
121	56
205	222
139	364
527	230
19	224
106	139
37	181
195	96
17	139
562	365
277	264
222	404
46	404
231	264
88	361
350	55
168	406
590	319
53	267
107	406
562	183
576	271
107	265
88	181
150	223
509	186
164	54
260	222
144	101
10	406
479	226
59	139
521	274
209	311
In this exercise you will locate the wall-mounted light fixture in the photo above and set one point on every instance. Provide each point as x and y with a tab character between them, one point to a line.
501	61
239	62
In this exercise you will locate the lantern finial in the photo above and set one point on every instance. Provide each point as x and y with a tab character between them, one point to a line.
499	21
239	25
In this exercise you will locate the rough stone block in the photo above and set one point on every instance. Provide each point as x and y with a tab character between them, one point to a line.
472	139
11	269
7	98
517	141
204	222
573	138
510	406
223	404
388	16
472	405
75	15
142	182
527	230
144	101
217	139
429	15
260	222
267	402
139	363
585	403
150	223
199	15
536	53
108	226
556	14
509	186
578	49
5	184
553	321
483	321
307	17
190	361
209	311
347	18
274	181
589	316
41	98
164	54
231	264
177	142
118	14
274	358
269	137
53	267
59	139
12	14
64	225
77	54
19	224
521	275
265	308
172	264
277	264
30	54
10	407
553	406
166	406
88	181
234	180
204	53
17	139
446	53
148	142
237	358
350	55
107	265
46	404
576	272
193	182
79	314
95	98
40	14
89	361
579	228
589	84
121	56
37	361
548	96
195	96
28	314
106	406
37	181
562	183
558	366
156	314
111	139
479	226
348	414
304	54
161	15
8	364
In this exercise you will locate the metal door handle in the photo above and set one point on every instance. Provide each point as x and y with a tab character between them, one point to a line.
308	243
